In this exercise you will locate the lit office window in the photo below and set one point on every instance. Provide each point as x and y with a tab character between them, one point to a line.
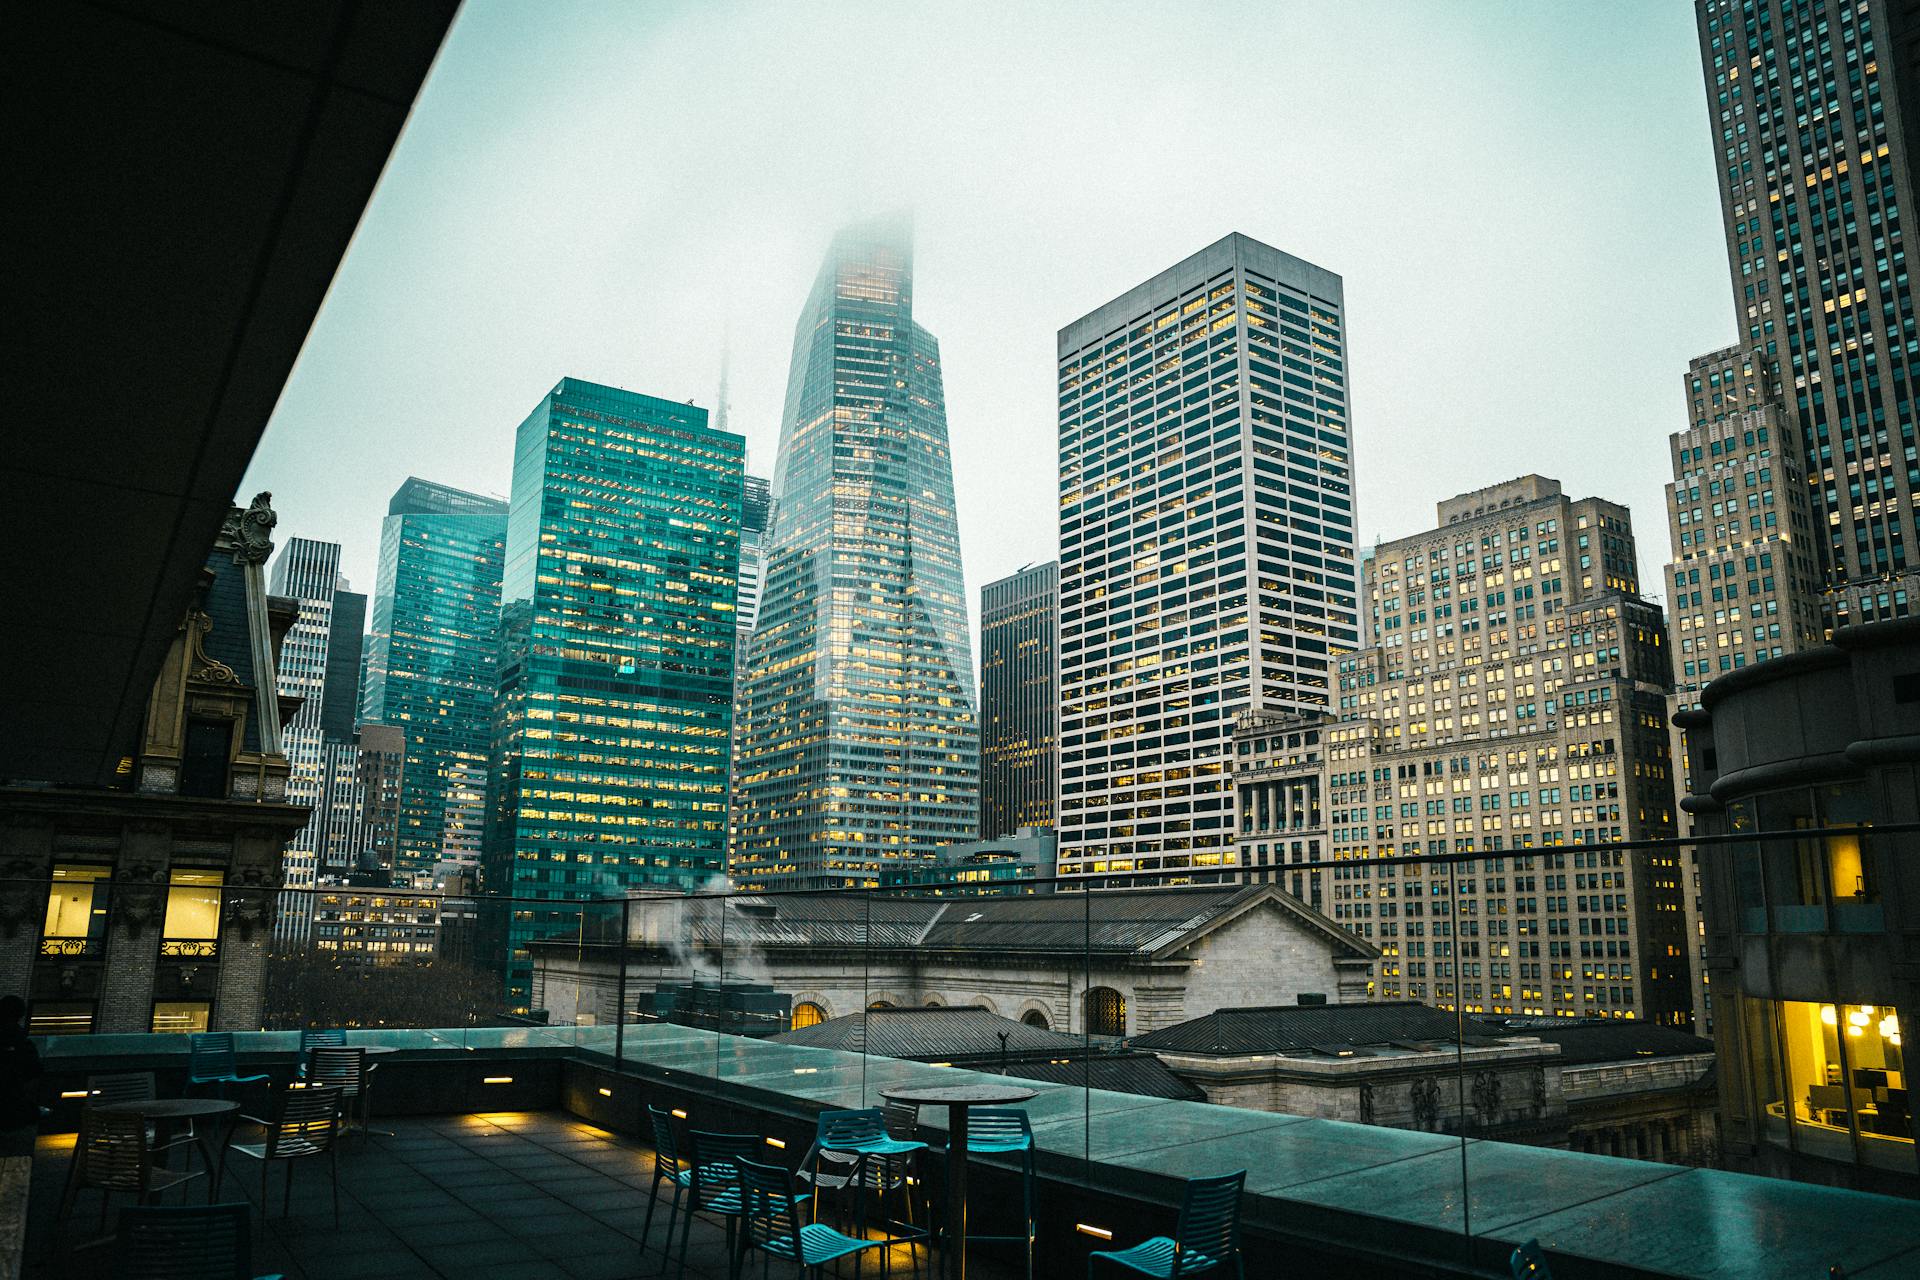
76	912
193	915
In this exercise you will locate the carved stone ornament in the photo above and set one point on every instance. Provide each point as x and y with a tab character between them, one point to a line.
1426	1103
1540	1088
246	912
1486	1095
1366	1104
251	530
207	669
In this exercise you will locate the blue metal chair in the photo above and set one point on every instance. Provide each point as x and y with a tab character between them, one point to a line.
211	1060
1528	1263
773	1225
322	1038
1207	1238
1000	1131
212	1242
666	1168
713	1184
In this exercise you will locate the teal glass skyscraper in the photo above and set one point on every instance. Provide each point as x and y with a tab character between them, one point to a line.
431	658
617	653
860	748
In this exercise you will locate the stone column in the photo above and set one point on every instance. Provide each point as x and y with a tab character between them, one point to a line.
26	868
138	903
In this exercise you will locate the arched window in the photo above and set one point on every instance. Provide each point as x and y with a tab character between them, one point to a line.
1106	1011
1035	1018
808	1014
933	1002
881	1004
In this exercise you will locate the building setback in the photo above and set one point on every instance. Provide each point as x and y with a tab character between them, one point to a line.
1019	700
1810	105
1514	704
1206	544
1743	585
860	747
616	676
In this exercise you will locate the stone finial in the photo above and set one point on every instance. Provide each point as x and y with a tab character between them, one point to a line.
250	530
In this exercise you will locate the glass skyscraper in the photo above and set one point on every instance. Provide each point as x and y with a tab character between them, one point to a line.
860	743
309	572
432	657
1206	545
616	673
1810	104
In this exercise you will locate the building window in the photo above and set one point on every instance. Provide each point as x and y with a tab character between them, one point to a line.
808	1014
1106	1012
76	912
60	1018
1035	1018
1813	884
193	915
1846	1091
203	764
178	1017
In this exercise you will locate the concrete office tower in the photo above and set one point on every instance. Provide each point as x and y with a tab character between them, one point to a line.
1514	704
1743	585
432	660
309	572
616	675
1019	700
860	747
382	759
1206	545
1811	106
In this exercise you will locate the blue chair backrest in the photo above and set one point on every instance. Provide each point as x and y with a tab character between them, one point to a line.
716	1160
999	1124
1528	1263
204	1242
1209	1221
210	1055
327	1037
851	1128
666	1146
772	1214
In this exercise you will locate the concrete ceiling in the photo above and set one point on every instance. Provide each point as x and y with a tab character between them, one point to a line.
186	178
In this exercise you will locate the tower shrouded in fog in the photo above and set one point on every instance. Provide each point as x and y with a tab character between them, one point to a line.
860	746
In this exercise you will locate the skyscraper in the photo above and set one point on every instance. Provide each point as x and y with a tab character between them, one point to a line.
1743	585
616	675
432	660
1019	700
1206	544
307	571
1811	104
861	748
753	530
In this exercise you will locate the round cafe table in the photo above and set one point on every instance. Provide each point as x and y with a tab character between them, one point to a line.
166	1112
957	1099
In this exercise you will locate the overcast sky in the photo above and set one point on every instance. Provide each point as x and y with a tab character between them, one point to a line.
1520	197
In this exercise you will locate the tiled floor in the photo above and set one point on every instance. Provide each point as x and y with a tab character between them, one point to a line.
510	1196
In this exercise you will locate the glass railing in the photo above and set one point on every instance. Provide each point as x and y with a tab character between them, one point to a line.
1490	1045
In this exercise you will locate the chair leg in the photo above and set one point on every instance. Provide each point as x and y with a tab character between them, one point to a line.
653	1198
686	1230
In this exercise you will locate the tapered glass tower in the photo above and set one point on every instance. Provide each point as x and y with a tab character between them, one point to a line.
861	747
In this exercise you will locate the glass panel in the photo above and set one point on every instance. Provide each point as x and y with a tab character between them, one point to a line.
1763	1061
76	912
193	914
1795	869
1851	884
1748	880
1822	1103
1878	1086
178	1017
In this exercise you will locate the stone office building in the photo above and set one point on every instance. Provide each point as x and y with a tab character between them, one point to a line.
148	908
1512	704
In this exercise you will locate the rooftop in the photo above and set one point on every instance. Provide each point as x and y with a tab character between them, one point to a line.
1305	1029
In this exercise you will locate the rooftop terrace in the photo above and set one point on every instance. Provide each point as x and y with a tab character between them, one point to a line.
518	1157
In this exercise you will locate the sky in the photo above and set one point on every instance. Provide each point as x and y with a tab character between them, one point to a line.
1520	198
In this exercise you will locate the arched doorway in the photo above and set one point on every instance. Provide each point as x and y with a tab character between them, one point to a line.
1106	1012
